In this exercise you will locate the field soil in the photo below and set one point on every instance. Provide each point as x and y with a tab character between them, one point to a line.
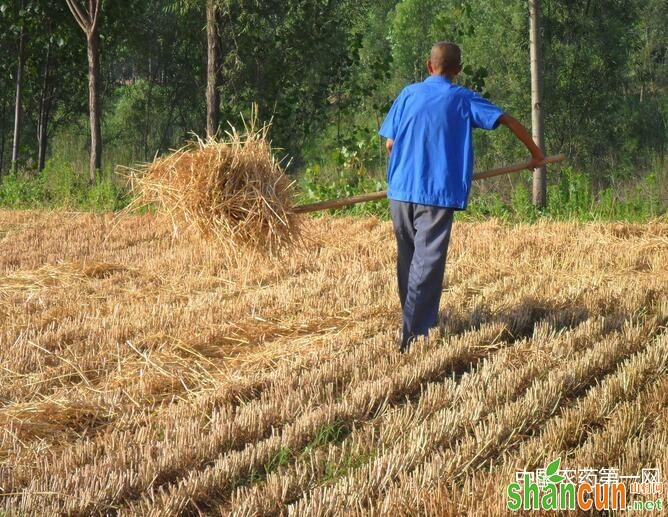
147	374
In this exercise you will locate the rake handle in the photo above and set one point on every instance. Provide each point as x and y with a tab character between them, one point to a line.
372	196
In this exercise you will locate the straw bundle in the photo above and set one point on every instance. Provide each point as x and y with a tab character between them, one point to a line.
233	190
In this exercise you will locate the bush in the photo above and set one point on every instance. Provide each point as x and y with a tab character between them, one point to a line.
106	195
59	186
351	170
317	184
522	205
62	186
17	190
482	207
569	198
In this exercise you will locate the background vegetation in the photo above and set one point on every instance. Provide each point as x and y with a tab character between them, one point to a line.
326	73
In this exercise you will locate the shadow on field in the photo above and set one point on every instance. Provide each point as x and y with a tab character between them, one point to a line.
521	319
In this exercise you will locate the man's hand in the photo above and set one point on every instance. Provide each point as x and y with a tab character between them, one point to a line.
523	135
388	145
536	162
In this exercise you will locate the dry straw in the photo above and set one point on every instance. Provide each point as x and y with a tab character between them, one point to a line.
233	190
136	381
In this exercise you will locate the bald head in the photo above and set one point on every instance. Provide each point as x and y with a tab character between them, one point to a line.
445	58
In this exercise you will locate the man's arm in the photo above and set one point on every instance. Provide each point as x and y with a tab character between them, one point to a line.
388	145
523	136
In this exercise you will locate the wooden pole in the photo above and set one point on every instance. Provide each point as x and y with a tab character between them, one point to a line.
372	196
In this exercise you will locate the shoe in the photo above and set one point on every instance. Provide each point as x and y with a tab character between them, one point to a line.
399	344
405	345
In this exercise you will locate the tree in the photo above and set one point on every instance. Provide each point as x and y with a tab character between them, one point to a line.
88	21
3	112
7	44
286	56
44	110
19	96
55	74
537	118
213	66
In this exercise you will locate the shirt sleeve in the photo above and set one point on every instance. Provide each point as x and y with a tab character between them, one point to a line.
391	124
485	115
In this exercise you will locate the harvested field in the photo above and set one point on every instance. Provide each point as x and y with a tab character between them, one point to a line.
140	374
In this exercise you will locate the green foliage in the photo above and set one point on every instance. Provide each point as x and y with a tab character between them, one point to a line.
411	37
280	459
137	124
317	184
488	205
106	195
349	170
59	186
334	432
18	191
329	433
570	197
334	471
327	72
521	203
287	56
417	24
62	186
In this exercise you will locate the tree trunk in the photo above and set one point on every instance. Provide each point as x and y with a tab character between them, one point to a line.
2	135
43	117
19	94
93	39
213	56
88	21
537	117
147	121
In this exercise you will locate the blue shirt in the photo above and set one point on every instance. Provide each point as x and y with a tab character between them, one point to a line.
432	124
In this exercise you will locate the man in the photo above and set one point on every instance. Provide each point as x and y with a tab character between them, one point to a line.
430	141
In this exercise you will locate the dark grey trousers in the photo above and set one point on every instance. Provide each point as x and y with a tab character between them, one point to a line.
423	235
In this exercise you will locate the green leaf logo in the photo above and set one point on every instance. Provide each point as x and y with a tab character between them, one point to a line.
551	472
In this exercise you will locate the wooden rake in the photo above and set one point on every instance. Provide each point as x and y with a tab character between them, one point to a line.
372	196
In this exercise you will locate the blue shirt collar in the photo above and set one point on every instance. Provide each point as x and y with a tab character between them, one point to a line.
437	79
